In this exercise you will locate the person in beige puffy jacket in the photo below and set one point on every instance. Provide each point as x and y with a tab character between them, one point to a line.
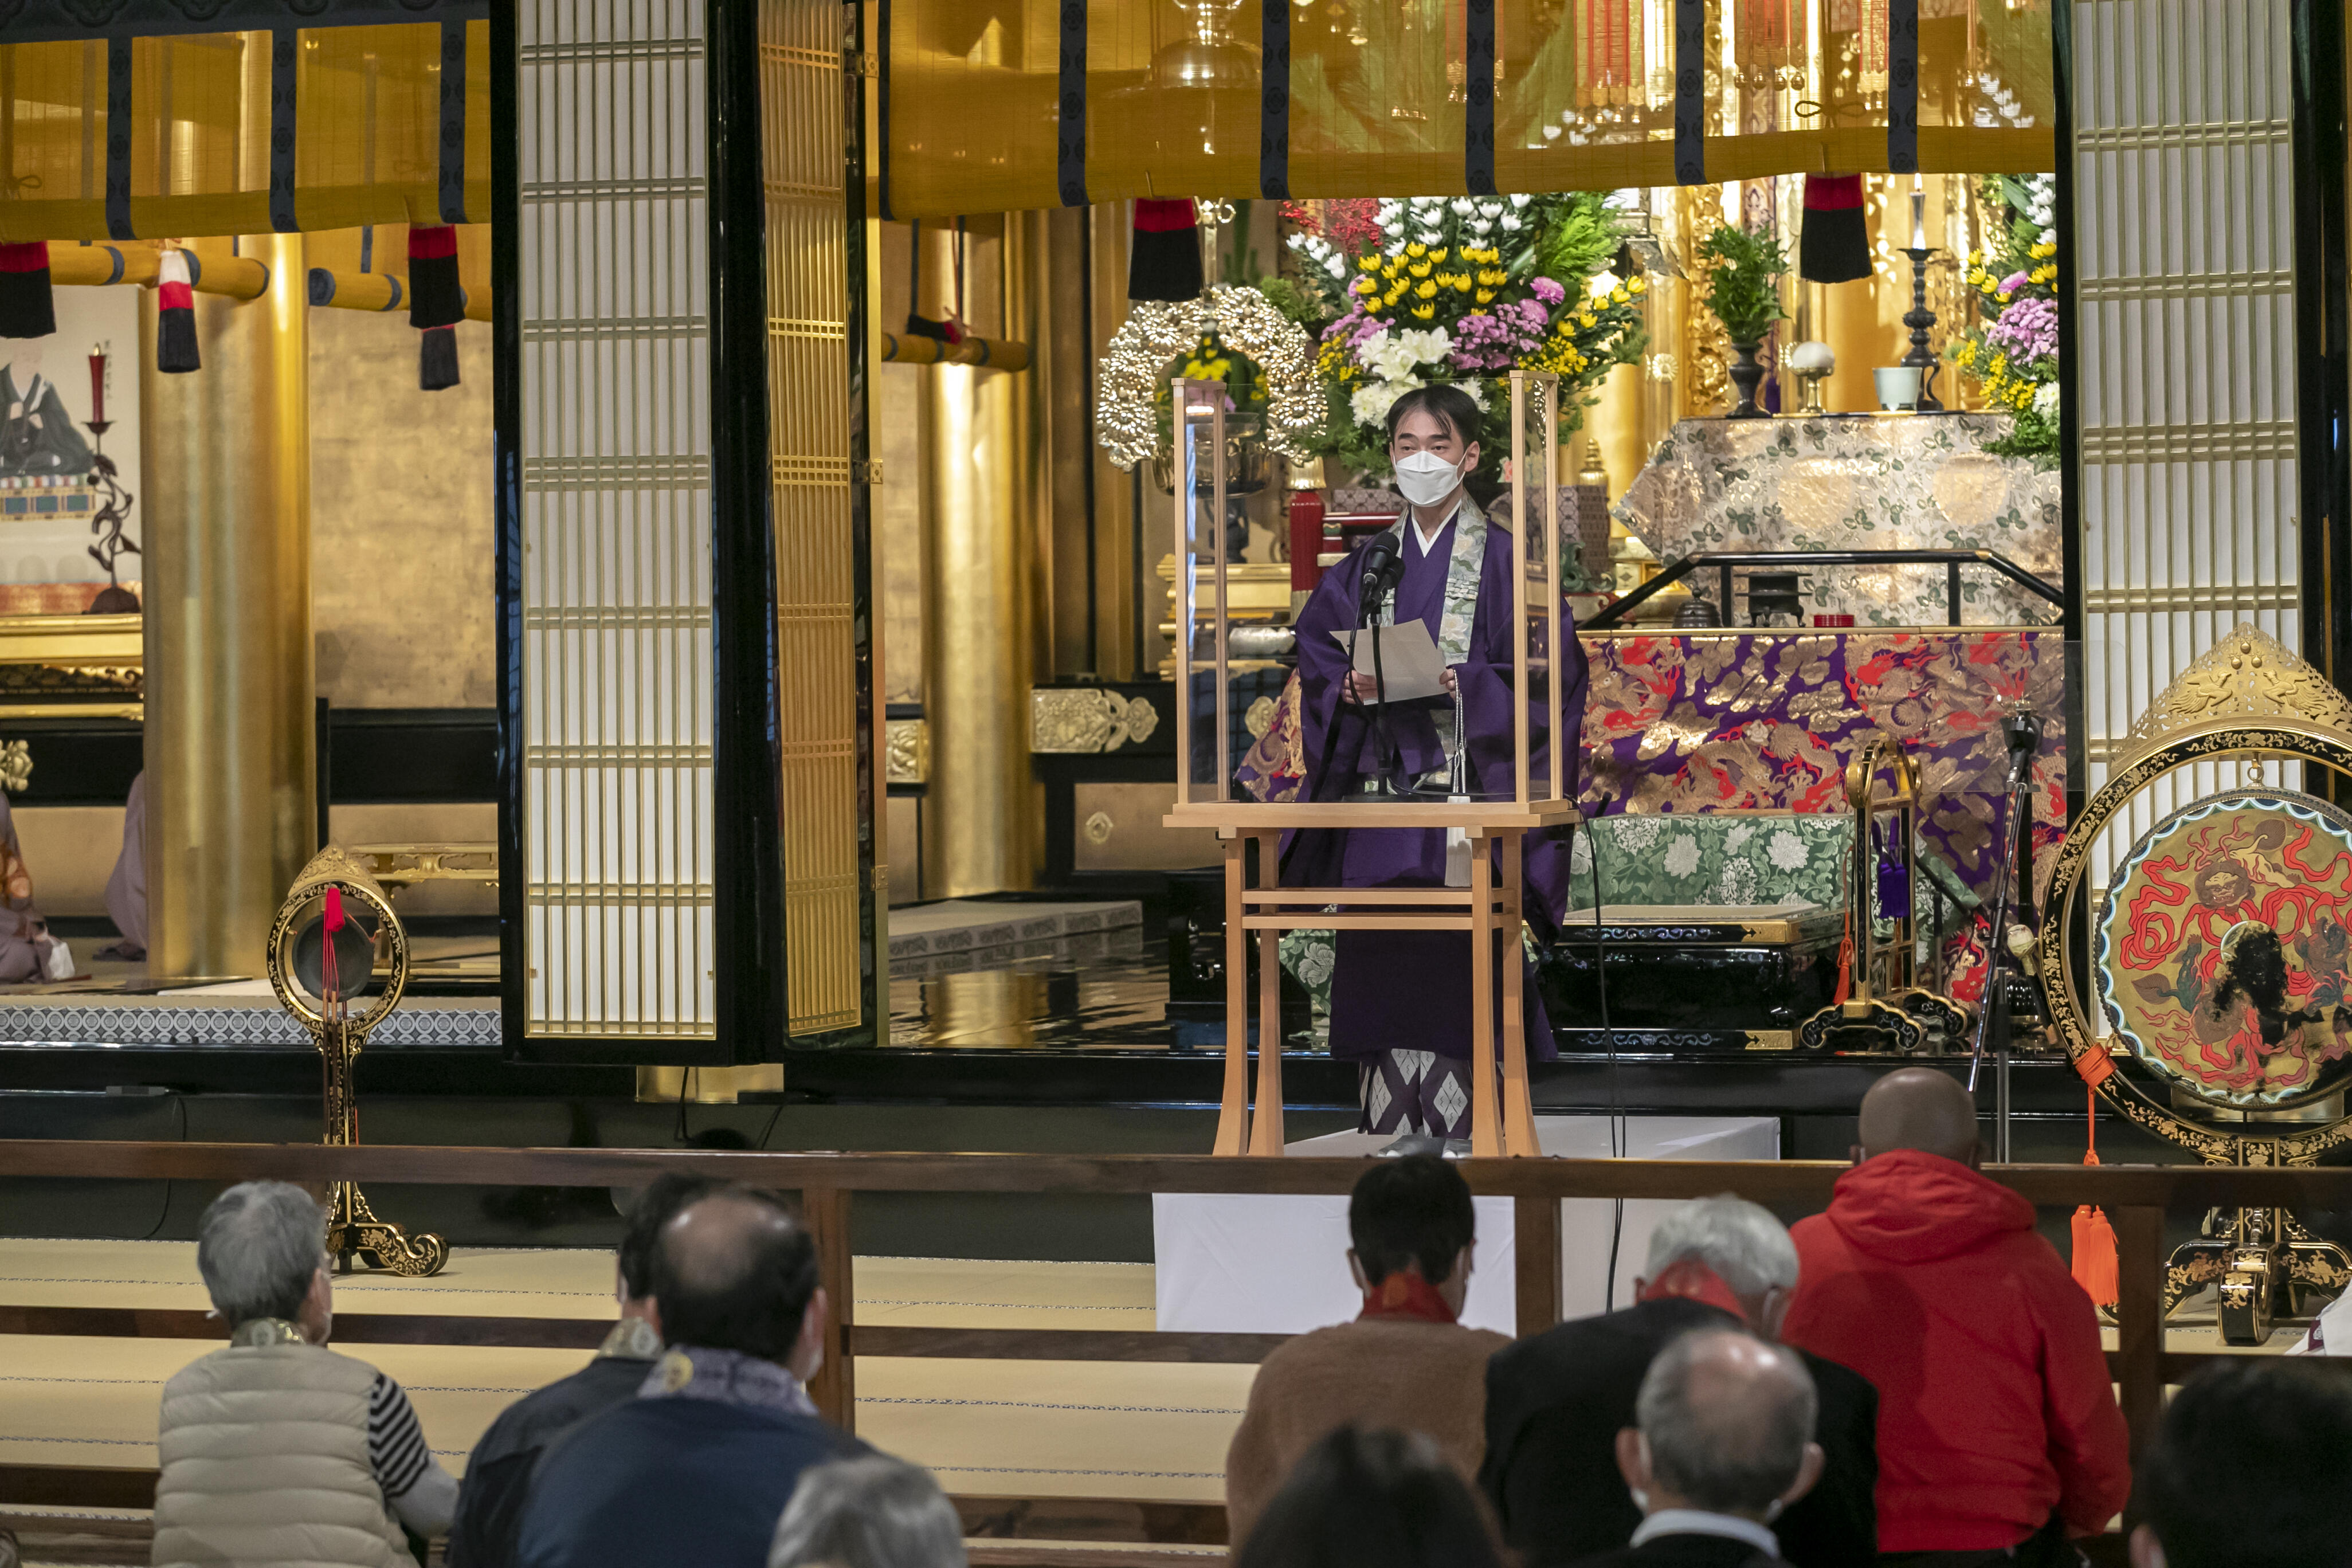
277	1449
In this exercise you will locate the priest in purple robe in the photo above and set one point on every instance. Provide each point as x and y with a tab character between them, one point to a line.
1400	1000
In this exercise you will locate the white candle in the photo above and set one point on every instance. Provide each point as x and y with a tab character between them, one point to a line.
1919	214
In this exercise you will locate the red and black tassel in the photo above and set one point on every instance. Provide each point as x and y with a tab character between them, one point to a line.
26	309
1165	263
175	317
1834	246
436	303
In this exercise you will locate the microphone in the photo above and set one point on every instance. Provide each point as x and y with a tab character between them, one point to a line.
2020	731
1383	568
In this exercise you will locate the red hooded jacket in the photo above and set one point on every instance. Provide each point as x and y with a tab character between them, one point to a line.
1994	1404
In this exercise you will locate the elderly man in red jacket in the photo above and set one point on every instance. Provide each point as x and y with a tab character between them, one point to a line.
1998	1432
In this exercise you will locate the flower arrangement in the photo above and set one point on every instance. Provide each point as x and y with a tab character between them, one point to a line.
1743	280
1458	291
2014	355
1233	335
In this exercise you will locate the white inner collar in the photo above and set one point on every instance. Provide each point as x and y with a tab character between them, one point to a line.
1696	1521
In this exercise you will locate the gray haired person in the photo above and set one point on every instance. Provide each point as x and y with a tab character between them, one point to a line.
277	1448
1556	1400
869	1513
1724	1443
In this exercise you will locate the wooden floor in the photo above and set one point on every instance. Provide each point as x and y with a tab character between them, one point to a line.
1037	1428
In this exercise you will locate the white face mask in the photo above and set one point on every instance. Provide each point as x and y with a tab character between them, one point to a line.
1424	479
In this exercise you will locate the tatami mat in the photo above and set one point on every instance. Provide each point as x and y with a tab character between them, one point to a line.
1040	1429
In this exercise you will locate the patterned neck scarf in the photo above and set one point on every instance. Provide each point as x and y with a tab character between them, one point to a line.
632	1338
264	1331
698	1371
1405	1294
1464	572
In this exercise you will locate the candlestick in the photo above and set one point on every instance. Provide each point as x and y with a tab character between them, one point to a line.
1919	214
1919	318
97	383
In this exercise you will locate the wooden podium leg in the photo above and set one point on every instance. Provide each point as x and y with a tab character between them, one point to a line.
1518	1101
1232	1114
1265	1126
1486	1122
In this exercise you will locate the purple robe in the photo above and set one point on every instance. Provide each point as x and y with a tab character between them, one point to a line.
1410	990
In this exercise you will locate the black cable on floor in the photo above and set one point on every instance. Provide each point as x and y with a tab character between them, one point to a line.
153	1230
1619	1142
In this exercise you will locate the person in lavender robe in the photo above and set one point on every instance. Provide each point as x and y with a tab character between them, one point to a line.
1400	1000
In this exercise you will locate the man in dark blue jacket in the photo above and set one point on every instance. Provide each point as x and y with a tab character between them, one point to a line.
699	1466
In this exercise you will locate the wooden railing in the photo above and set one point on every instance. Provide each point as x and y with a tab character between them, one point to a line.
2136	1199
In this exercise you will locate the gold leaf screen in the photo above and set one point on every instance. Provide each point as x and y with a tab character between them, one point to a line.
366	150
1584	96
616	642
808	422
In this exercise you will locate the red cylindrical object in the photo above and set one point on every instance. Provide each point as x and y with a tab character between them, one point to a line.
1306	539
98	386
1832	621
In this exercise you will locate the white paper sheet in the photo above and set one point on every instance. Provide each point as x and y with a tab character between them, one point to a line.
1410	663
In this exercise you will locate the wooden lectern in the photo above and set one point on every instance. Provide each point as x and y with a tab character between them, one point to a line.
1207	795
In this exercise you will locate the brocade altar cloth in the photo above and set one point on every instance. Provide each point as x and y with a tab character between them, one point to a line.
1767	721
1886	482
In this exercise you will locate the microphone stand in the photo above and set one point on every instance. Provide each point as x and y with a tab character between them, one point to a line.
2023	729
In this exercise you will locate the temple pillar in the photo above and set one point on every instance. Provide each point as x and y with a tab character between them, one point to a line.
231	799
980	477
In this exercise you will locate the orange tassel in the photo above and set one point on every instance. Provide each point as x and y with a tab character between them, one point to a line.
2095	1268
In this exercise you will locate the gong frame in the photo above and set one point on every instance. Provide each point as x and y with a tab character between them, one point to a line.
2282	738
332	869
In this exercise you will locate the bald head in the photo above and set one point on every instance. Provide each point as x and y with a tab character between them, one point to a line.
1729	1421
733	1271
1919	1108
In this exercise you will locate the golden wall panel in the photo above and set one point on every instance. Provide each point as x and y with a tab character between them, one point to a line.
808	421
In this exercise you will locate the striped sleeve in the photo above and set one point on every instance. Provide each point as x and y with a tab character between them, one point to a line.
395	1440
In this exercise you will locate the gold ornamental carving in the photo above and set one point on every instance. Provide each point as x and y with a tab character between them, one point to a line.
1259	719
1080	721
16	766
2247	674
906	750
1099	828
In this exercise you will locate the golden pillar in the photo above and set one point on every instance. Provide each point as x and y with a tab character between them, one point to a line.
1851	325
231	803
980	477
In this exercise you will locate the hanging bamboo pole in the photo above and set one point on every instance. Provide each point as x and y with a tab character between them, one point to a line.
380	291
988	353
232	277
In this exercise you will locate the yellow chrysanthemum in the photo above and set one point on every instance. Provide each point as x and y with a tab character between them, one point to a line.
2044	249
1425	291
2001	298
1484	296
1420	269
1369	263
1618	296
1423	312
1367	286
1416	248
1639	286
1438	255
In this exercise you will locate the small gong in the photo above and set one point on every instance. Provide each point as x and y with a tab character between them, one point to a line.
355	958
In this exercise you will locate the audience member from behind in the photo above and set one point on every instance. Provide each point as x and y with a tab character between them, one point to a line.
2250	1469
489	1504
1724	1445
1404	1362
1364	1499
872	1512
277	1449
1998	1431
700	1464
1556	1401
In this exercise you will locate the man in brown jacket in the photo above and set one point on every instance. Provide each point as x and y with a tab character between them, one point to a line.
1404	1361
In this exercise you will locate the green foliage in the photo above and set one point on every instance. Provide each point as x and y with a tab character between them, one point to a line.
1742	291
1577	235
1307	298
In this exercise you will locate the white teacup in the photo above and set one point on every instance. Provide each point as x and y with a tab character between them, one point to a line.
1899	387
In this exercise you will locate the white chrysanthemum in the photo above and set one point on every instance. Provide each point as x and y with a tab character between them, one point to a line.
1464	207
2048	236
1427	346
1371	401
1681	857
1788	851
1511	224
1483	226
1336	265
2046	401
1490	208
1520	201
1476	391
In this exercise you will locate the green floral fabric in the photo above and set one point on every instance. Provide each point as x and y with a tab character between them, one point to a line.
1712	859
